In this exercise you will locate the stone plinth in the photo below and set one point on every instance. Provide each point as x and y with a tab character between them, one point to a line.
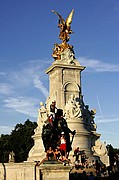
65	79
37	151
54	171
18	171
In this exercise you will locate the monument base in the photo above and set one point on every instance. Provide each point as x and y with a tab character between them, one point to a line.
54	171
50	170
19	171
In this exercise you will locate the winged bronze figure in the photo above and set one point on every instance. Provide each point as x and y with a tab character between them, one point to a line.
65	26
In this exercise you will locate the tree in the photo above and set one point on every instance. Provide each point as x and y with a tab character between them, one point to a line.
4	147
19	141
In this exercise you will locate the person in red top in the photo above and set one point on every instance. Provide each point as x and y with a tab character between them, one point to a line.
76	153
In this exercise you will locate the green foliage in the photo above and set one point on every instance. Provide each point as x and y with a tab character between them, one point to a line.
19	141
4	147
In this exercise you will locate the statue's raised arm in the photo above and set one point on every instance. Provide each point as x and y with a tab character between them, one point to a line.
65	26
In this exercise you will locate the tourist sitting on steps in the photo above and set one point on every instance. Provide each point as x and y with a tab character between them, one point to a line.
77	164
64	160
49	156
57	154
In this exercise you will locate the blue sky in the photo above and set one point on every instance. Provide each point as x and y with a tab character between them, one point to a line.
28	31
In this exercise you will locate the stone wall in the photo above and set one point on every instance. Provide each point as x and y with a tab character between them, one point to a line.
29	171
17	171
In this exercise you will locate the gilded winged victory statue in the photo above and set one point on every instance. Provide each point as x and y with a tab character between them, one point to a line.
65	30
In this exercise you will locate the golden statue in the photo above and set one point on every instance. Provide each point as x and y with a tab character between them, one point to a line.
65	30
64	26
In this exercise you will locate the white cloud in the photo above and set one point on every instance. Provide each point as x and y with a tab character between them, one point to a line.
27	78
38	84
30	76
107	120
5	129
108	132
3	73
24	105
97	65
5	89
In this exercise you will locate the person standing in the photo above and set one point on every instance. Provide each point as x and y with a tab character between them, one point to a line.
76	153
83	156
98	168
63	145
91	176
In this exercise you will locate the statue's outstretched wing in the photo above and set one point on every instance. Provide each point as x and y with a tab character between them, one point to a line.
60	17
69	18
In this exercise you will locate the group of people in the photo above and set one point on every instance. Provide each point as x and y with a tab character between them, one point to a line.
83	162
95	170
83	176
56	132
59	154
